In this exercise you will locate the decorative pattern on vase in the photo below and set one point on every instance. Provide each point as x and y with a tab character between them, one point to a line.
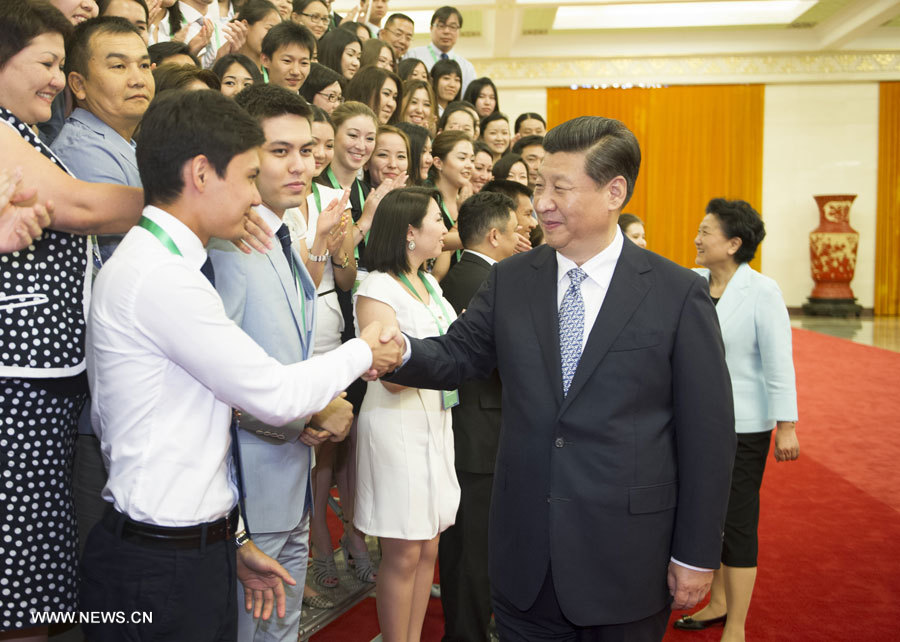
832	248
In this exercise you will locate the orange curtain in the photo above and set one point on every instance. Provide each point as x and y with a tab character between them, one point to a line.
697	143
887	229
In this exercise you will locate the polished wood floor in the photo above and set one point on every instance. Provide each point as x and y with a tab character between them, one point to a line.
881	332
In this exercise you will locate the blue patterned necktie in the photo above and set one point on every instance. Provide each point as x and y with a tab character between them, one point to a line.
571	327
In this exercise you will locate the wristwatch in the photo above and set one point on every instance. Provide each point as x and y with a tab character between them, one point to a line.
319	258
343	264
241	538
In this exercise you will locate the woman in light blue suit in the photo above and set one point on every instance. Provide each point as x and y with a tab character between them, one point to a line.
757	336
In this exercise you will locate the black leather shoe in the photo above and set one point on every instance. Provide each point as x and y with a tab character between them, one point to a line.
687	623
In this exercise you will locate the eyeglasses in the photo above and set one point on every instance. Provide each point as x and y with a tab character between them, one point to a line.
444	25
316	18
400	35
332	98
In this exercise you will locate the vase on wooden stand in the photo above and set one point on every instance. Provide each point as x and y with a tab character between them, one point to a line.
832	255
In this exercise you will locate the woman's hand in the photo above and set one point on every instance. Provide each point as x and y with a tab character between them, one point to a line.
787	446
199	42
235	34
19	226
373	200
332	223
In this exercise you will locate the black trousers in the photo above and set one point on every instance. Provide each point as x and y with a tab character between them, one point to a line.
188	595
546	621
463	561
740	545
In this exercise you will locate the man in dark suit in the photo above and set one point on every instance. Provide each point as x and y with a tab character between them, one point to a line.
613	466
487	227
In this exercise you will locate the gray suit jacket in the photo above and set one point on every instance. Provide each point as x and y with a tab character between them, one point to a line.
260	295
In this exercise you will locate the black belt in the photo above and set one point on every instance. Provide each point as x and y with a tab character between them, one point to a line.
170	537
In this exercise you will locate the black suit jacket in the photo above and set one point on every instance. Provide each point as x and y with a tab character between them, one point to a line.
476	420
632	466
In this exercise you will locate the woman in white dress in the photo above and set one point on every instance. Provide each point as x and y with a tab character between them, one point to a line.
407	492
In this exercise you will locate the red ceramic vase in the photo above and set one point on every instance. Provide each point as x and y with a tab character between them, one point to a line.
832	248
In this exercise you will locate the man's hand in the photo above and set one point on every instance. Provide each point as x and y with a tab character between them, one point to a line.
787	446
262	578
387	347
257	234
313	436
523	244
335	418
687	586
203	37
19	226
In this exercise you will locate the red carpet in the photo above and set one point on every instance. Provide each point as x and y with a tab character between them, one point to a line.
830	524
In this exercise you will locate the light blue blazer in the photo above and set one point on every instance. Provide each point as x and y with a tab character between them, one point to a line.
260	295
756	331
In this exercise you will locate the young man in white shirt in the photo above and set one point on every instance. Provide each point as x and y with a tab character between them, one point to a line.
166	365
287	53
445	25
272	298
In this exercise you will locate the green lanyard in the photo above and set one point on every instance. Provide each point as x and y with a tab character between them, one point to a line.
450	398
161	234
433	52
317	197
265	75
362	201
449	218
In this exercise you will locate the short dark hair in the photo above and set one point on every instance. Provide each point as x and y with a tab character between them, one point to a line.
162	50
609	148
332	45
405	67
487	120
21	22
481	212
513	189
504	164
298	6
400	208
78	45
475	88
738	219
171	76
318	79
452	108
446	68
417	136
271	101
366	85
627	220
223	63
288	33
394	17
256	10
527	141
179	126
526	116
444	13
103	5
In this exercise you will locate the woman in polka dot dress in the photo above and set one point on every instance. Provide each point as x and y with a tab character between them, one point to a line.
43	307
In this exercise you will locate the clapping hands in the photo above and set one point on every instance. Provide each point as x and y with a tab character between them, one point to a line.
19	225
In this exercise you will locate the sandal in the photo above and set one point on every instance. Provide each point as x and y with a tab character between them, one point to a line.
317	602
362	563
324	572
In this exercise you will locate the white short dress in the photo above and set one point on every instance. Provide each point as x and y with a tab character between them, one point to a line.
406	480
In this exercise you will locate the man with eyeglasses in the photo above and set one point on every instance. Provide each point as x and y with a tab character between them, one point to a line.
398	33
445	25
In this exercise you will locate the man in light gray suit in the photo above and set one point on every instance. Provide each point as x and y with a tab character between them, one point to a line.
272	297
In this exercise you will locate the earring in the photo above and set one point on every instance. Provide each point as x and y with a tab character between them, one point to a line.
411	245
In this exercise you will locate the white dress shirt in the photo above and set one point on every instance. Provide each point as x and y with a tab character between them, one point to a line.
166	365
599	269
430	54
484	257
195	19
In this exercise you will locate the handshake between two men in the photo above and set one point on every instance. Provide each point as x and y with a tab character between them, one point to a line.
388	346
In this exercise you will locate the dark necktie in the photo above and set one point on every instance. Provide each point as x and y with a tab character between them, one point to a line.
284	235
444	56
208	271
